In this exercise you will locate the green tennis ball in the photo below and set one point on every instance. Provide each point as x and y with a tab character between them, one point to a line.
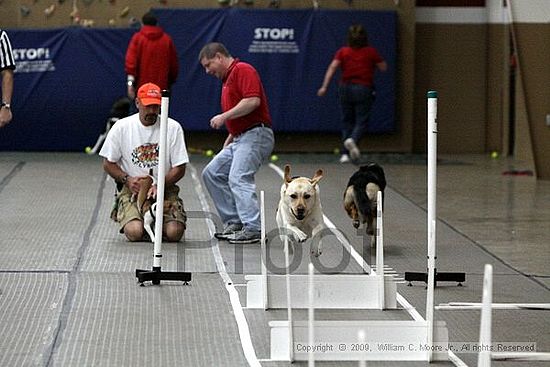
88	150
209	153
494	154
274	158
336	151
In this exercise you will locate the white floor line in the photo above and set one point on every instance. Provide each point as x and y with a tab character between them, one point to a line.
400	299
242	325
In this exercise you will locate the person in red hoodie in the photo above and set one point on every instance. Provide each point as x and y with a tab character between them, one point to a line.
151	57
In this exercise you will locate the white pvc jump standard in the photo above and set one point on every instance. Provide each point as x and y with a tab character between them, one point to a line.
334	291
380	253
156	274
485	356
311	315
432	216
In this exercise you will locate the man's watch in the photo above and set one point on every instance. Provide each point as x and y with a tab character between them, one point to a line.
5	105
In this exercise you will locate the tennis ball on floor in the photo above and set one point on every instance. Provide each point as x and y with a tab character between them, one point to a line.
209	153
274	158
88	150
494	154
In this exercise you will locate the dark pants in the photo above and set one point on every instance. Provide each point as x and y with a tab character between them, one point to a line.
356	101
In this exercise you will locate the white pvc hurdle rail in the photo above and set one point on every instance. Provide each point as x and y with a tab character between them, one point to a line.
485	336
335	291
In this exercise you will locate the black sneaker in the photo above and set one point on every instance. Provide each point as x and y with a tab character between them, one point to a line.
245	237
229	231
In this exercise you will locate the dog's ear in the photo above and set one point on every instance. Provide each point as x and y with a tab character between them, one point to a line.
287	174
318	176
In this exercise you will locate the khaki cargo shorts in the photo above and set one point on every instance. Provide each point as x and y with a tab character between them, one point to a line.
125	210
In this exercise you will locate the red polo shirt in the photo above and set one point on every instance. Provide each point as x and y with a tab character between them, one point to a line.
358	64
243	81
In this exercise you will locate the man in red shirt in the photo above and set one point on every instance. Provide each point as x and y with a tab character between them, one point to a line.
229	177
151	57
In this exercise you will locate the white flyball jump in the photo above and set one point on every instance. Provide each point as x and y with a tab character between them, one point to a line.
487	306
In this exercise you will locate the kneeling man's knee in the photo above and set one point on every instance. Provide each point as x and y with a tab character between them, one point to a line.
133	230
174	231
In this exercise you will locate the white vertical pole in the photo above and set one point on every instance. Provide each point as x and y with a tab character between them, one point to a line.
484	357
432	215
263	250
311	316
361	341
289	304
160	180
380	251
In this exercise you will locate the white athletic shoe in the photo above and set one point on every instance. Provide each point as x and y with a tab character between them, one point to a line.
354	152
344	158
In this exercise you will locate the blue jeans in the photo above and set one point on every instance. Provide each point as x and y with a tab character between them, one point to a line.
229	177
356	101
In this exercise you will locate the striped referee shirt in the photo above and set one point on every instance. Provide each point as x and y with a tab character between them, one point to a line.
6	54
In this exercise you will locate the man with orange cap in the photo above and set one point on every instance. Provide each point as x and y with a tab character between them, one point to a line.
131	152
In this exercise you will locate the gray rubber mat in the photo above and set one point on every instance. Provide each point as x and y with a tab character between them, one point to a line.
70	298
109	251
49	204
115	322
31	304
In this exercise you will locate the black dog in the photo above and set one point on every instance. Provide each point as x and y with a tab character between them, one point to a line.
360	197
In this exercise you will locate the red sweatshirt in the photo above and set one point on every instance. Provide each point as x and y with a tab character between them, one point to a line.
151	58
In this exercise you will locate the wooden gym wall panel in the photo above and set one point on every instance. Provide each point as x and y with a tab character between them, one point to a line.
534	53
451	59
450	2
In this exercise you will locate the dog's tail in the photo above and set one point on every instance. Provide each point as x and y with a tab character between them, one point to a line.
362	201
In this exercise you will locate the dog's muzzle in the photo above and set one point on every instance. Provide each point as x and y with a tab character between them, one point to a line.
300	213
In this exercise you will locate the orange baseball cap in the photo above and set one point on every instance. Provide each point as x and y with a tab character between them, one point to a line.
149	94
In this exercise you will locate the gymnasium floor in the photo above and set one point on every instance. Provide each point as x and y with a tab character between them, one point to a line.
69	295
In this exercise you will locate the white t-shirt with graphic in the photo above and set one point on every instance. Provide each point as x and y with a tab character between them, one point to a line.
135	146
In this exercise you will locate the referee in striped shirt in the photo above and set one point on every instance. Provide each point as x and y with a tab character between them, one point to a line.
7	65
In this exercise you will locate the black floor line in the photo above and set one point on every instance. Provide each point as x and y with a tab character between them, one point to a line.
71	289
6	180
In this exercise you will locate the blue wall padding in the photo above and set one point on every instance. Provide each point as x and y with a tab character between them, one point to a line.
68	79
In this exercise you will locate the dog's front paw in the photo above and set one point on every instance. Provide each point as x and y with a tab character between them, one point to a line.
298	236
